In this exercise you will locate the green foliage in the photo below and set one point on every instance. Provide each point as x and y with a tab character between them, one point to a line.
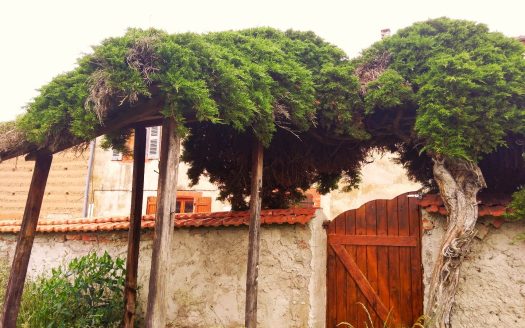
294	159
86	293
291	164
389	91
469	85
443	86
244	79
516	208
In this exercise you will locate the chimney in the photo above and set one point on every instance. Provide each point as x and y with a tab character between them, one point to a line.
385	32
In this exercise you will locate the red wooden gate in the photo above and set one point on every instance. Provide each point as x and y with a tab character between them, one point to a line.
374	258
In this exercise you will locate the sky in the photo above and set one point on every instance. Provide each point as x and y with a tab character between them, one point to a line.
41	39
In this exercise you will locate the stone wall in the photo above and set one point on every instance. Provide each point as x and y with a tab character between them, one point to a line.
208	271
492	285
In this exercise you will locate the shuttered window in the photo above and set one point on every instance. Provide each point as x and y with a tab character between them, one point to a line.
153	142
183	205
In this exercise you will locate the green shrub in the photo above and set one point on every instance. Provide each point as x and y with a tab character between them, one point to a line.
86	293
4	277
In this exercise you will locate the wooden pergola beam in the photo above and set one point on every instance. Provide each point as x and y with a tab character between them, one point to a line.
254	238
137	193
146	110
164	226
25	239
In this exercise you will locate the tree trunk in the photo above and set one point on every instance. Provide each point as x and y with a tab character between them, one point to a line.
459	182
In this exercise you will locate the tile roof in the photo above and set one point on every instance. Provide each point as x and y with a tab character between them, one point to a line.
217	219
488	205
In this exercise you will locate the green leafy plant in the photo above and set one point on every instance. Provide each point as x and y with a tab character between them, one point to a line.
85	293
516	210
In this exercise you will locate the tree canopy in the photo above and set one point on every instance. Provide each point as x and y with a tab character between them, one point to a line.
442	87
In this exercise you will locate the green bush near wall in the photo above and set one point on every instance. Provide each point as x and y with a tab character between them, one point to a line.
87	293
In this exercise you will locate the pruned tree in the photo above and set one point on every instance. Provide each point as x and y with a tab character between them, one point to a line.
447	95
466	87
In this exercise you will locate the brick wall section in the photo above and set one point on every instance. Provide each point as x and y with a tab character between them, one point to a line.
64	190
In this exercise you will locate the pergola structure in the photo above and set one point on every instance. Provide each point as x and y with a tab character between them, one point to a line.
256	80
405	94
138	117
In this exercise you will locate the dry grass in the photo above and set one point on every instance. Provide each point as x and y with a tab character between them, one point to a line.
10	137
369	71
420	323
103	97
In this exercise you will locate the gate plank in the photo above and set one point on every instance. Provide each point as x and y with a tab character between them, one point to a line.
351	287
360	260
340	228
405	269
361	281
331	286
371	254
382	255
393	260
415	255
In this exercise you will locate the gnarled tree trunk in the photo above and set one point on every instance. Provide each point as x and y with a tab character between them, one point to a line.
459	182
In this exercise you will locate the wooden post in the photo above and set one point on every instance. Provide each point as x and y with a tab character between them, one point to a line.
164	226
24	243
135	218
250	319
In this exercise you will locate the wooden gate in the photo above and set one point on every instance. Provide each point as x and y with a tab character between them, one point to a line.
374	258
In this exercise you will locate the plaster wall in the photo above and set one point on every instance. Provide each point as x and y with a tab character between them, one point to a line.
208	271
491	290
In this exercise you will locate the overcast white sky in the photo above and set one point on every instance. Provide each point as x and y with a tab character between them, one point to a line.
41	39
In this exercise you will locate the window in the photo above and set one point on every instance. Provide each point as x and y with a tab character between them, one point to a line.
184	205
153	142
188	202
116	155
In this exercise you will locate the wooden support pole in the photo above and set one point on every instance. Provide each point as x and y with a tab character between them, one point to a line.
164	226
135	218
25	239
250	319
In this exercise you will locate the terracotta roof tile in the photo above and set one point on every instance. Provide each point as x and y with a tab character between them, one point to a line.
218	219
488	204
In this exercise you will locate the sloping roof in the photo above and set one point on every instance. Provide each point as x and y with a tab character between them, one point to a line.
218	219
488	205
